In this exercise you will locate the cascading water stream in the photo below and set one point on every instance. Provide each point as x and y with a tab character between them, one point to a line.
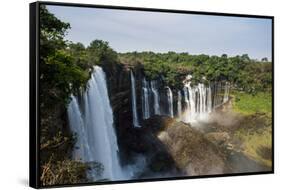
134	102
96	138
192	103
199	100
179	105
145	99
226	92
82	149
209	100
170	101
155	93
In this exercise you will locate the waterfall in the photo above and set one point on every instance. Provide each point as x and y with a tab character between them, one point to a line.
215	95
155	93
194	102
170	101
93	126
179	105
134	102
220	93
209	99
218	98
226	92
198	100
145	99
202	98
81	150
186	109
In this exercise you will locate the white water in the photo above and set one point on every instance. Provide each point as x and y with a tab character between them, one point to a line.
198	101
191	108
209	100
145	99
179	107
82	149
170	101
226	92
134	102
96	138
202	98
156	100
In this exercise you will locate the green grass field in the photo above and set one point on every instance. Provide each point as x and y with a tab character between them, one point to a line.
257	142
250	104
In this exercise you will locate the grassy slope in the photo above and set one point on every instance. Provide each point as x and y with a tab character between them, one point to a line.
248	104
256	141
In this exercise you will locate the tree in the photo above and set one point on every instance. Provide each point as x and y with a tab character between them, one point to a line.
264	59
79	54
100	53
59	75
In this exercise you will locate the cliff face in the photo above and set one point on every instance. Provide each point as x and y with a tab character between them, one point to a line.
119	88
170	147
135	141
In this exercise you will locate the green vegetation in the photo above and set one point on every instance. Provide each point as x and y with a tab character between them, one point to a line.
60	76
250	104
248	75
255	133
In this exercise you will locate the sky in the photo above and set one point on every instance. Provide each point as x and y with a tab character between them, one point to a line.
128	31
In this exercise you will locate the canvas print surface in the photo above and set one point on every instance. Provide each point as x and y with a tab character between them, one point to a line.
136	95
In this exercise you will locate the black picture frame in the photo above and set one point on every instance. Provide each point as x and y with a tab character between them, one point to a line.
34	99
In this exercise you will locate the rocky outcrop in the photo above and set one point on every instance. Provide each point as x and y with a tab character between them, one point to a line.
191	151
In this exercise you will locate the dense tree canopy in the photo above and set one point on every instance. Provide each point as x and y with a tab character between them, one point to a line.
244	73
60	76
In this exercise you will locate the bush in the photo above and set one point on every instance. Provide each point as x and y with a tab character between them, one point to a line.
63	172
